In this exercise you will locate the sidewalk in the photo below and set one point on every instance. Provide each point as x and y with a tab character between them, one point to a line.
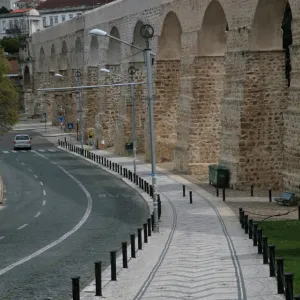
201	251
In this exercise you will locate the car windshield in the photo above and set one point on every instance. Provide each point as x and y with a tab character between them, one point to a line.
22	137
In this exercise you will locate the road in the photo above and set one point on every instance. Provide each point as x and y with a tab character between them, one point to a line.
61	215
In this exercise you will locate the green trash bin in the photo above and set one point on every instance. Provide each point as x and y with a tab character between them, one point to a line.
218	176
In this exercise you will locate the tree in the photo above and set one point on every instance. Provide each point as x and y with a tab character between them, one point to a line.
9	97
4	10
11	44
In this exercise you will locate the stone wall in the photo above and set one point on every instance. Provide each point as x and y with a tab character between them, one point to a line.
165	108
265	100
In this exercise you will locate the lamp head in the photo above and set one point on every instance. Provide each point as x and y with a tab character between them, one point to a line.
98	32
105	70
58	75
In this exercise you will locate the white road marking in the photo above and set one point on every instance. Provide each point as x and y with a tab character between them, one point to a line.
41	150
29	170
41	183
13	151
51	150
66	235
37	214
2	237
44	192
35	176
23	151
44	202
23	164
21	227
5	151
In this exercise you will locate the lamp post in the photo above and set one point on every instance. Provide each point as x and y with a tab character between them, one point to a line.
80	105
131	72
147	32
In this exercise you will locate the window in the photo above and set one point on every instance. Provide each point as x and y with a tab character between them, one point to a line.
51	21
11	24
22	24
22	138
70	16
63	18
44	21
56	19
4	25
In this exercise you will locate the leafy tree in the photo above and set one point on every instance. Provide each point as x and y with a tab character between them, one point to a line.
10	44
4	10
9	97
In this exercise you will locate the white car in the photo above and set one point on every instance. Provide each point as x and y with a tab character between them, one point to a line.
22	141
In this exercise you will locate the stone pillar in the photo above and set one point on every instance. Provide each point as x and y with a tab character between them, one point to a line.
165	108
205	118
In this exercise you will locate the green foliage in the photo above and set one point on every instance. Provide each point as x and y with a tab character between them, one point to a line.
285	236
4	10
9	97
10	44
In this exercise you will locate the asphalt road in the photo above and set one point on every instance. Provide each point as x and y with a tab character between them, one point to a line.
96	210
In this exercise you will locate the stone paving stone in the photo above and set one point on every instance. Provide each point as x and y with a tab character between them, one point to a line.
205	256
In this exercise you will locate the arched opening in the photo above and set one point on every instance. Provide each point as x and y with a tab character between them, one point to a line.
63	65
52	59
266	96
78	55
138	40
41	66
212	38
94	52
208	90
266	33
114	48
167	87
27	78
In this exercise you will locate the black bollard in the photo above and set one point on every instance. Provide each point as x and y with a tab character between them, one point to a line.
252	188
98	278
297	297
250	229
242	217
272	260
137	181
110	164
159	206
299	212
224	195
149	226
217	191
145	233
255	234
152	221
259	241
132	243
289	290
140	246
124	255
246	224
151	191
191	197
270	195
75	288
280	277
240	214
113	265
142	183
265	250
183	190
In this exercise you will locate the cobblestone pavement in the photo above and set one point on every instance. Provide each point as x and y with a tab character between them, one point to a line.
200	253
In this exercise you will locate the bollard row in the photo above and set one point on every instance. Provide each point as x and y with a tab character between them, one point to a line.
276	265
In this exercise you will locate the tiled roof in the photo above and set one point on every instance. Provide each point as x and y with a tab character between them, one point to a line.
13	66
52	4
17	11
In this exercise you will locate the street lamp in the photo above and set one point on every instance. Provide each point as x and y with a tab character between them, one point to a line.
131	71
147	32
80	105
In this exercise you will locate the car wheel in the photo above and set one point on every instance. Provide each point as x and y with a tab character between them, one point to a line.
15	148
29	148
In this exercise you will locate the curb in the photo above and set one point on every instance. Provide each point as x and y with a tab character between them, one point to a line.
1	190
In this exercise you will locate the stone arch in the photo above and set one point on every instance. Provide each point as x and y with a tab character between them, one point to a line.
27	78
41	66
114	48
266	32
169	43
52	66
213	34
138	40
94	52
78	55
63	65
168	87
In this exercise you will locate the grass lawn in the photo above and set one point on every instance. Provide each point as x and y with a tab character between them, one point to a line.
285	235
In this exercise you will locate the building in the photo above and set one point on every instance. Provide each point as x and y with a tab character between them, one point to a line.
9	4
54	12
19	22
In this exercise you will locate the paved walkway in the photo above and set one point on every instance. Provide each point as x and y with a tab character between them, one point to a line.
200	253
